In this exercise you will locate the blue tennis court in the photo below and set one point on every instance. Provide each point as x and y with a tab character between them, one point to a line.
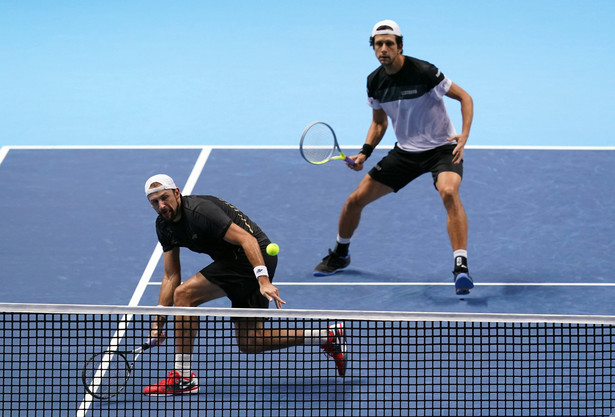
81	230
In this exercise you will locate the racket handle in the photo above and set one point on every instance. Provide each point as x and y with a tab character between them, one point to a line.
154	341
349	161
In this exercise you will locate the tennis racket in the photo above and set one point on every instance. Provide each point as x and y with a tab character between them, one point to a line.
106	373
319	145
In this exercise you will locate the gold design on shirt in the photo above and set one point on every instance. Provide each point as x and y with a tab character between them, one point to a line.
239	214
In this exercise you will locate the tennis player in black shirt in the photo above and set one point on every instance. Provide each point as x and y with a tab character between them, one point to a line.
241	270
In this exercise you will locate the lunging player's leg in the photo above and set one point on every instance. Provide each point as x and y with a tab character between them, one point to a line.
253	337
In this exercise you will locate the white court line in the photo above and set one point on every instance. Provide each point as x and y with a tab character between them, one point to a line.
478	284
3	151
382	146
147	274
434	284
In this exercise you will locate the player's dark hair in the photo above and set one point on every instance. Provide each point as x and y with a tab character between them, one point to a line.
398	39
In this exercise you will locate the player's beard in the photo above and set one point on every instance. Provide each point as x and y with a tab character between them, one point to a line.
168	214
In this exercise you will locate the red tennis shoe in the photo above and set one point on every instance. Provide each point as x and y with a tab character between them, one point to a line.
174	384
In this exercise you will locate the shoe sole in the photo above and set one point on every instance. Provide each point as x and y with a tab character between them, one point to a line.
463	284
327	274
194	391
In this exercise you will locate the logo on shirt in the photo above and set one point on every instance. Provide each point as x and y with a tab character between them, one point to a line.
409	92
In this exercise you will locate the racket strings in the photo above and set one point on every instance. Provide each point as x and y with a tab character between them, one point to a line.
318	144
106	374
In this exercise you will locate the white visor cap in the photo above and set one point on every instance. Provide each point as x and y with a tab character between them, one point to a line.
395	30
166	182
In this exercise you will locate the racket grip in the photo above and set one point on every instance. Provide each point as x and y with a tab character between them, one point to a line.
155	341
349	161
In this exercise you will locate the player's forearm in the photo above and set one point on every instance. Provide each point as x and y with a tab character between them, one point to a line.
467	107
238	236
167	289
376	133
467	114
253	252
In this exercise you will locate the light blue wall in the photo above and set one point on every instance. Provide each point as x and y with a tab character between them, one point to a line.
254	73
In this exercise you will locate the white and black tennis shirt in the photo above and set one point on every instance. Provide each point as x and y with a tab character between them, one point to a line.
413	98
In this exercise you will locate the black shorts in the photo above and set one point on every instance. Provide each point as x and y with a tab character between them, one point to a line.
398	168
236	278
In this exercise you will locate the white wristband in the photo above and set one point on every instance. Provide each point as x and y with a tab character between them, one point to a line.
260	271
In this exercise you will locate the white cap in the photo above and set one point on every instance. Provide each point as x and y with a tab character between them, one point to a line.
395	30
165	180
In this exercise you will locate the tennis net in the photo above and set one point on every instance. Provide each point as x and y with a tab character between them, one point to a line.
398	364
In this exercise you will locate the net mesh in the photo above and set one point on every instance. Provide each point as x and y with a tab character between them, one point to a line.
398	364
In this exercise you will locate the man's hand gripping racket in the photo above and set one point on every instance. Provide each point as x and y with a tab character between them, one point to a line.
106	374
319	145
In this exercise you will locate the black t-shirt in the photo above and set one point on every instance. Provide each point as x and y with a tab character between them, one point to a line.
203	224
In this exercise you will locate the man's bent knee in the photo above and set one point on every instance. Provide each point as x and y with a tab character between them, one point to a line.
182	297
448	192
355	201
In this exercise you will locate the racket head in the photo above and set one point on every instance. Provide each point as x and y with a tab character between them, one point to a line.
106	374
318	143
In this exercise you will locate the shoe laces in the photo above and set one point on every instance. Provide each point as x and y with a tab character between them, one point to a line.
173	378
176	378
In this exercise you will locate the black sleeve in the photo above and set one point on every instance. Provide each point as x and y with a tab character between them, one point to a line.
431	75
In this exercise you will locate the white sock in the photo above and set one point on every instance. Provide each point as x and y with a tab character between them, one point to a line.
342	240
460	252
316	337
183	364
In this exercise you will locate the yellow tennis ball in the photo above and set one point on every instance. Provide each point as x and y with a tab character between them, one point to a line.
273	249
